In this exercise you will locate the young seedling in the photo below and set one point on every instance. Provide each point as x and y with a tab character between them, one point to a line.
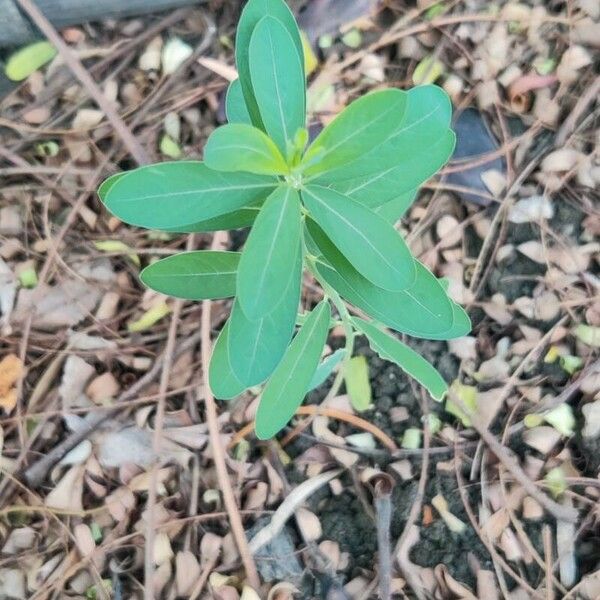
327	207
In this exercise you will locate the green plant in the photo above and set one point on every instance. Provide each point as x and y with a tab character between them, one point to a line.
328	208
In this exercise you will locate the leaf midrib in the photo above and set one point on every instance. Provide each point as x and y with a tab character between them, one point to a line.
360	233
271	249
198	191
291	370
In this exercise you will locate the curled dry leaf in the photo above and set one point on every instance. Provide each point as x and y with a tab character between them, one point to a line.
449	586
294	499
309	525
283	591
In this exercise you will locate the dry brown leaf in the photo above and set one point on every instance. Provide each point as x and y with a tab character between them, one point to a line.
11	371
57	306
542	438
120	503
487	588
532	509
84	539
12	584
162	551
67	495
450	586
103	388
19	539
210	549
162	576
187	572
76	374
309	525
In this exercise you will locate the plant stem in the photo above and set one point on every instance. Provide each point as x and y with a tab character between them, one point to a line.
346	323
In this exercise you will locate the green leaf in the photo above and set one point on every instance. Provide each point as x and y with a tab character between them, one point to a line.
359	128
413	364
278	82
423	311
25	61
428	70
272	246
425	120
326	368
416	163
107	184
288	385
235	105
243	217
394	209
221	378
174	195
199	275
256	347
253	12
461	324
239	147
368	241
358	386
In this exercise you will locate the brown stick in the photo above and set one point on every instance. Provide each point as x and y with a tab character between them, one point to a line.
216	445
157	439
74	64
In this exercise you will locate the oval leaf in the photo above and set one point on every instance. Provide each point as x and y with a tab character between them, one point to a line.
221	378
239	147
423	311
235	105
326	368
108	183
412	363
256	347
278	82
425	120
200	275
243	217
359	128
174	195
368	241
394	209
25	61
272	246
288	385
358	385
416	162
253	12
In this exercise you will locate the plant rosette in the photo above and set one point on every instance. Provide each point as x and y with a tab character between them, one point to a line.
328	208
